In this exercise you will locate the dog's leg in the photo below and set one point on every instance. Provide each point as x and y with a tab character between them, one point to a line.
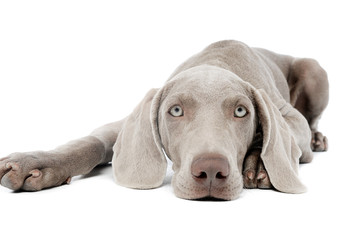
254	172
309	93
34	171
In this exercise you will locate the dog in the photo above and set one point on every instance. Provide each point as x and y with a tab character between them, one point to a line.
229	117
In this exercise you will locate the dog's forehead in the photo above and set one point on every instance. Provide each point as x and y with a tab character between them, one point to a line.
207	81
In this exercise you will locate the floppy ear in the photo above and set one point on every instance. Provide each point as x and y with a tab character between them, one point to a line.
280	153
138	160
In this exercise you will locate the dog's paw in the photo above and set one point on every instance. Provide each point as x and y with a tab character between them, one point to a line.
319	142
254	173
31	172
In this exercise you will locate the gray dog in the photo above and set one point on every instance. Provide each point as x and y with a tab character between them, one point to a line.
229	117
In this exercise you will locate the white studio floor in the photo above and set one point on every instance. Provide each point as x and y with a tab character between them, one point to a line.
68	67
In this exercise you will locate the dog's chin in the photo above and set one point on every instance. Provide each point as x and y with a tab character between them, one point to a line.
206	195
216	197
209	197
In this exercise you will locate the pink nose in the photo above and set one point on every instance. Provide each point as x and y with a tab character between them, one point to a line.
210	169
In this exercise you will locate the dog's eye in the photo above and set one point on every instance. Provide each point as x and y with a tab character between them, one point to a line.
176	111
240	112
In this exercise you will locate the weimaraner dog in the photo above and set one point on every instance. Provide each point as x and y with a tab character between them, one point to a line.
229	117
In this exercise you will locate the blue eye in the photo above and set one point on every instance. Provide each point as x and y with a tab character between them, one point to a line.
240	112
176	111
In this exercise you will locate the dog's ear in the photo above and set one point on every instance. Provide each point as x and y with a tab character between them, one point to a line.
138	160
280	153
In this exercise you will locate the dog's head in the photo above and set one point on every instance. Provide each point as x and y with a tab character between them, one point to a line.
205	120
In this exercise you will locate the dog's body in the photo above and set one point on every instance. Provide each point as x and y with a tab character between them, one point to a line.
229	116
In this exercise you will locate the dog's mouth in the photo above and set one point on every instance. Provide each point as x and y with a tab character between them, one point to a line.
210	199
201	193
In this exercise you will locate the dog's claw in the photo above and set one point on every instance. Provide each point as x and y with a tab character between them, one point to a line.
11	165
35	173
261	175
264	183
68	180
250	175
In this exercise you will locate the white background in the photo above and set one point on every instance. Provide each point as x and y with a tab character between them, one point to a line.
67	67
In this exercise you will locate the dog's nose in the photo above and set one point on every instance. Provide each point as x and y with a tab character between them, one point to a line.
210	170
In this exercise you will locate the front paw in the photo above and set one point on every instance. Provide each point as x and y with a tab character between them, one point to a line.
31	171
254	173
